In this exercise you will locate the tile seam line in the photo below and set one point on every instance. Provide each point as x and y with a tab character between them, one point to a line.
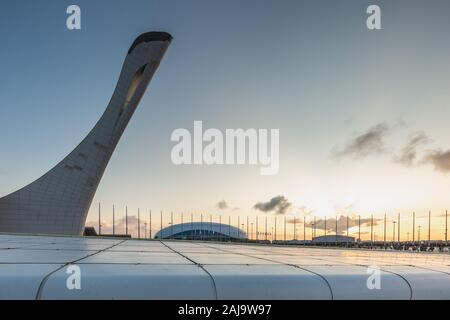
44	280
216	294
361	265
387	271
416	267
289	265
398	275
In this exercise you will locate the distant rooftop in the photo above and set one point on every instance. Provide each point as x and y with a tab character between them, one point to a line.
333	238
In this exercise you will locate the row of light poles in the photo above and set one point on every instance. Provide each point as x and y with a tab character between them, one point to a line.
395	225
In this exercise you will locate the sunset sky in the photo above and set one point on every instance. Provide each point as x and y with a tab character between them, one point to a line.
363	115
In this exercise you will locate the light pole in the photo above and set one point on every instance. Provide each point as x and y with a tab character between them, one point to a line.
359	228
161	226
145	230
171	224
393	231
336	238
182	224
429	227
304	229
418	233
114	223
99	219
229	228
150	224
274	235
265	229
371	229
139	224
314	226
446	224
126	220
347	225
295	230
220	227
248	230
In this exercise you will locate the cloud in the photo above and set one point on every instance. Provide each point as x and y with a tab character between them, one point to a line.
222	205
439	159
408	154
368	143
278	204
341	223
303	210
295	220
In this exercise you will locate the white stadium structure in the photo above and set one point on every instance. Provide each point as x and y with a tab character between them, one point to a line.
201	231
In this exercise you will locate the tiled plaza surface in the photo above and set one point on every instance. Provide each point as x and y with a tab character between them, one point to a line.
36	267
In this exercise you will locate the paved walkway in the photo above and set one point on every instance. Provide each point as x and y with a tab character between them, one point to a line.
39	267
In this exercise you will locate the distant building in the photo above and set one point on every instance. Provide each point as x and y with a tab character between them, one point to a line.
201	231
294	241
333	238
90	232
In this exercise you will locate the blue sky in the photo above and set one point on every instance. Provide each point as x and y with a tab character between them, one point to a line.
309	68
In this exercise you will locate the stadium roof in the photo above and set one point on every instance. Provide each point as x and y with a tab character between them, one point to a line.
224	229
35	267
